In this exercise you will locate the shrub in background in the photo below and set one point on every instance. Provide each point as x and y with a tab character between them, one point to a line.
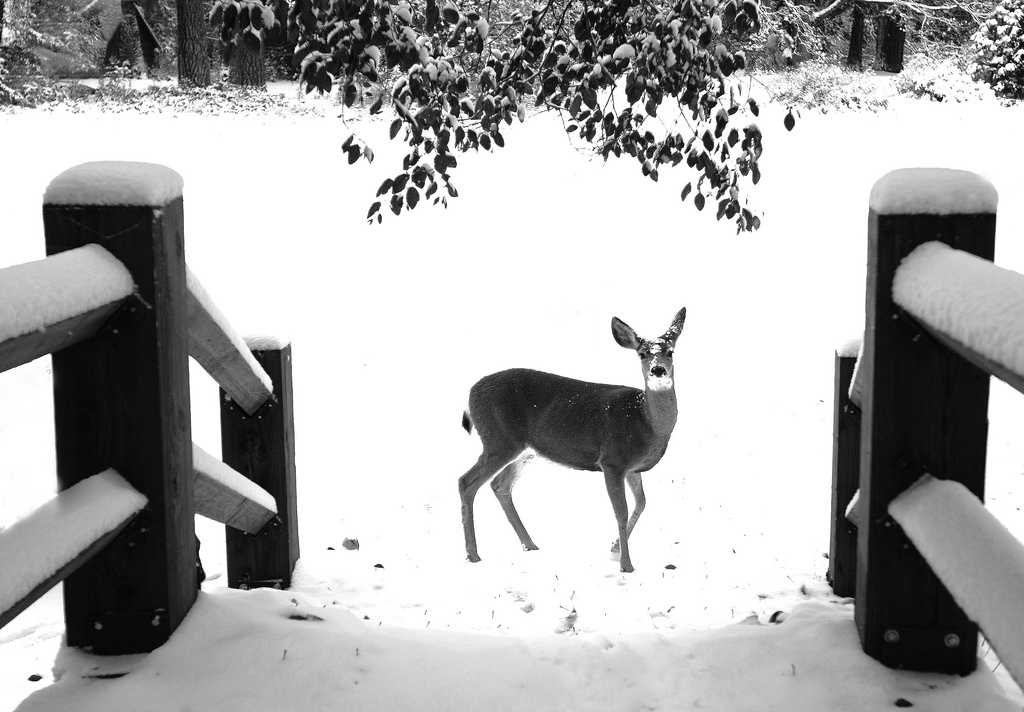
999	49
940	79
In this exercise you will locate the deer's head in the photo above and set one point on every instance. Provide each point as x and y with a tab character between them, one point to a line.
655	354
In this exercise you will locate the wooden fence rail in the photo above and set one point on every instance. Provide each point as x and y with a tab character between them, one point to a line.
121	313
940	318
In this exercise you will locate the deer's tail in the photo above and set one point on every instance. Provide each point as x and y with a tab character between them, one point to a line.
467	422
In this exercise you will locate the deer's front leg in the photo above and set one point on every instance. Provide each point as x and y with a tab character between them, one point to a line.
615	481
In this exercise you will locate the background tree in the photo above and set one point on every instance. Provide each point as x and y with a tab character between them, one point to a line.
630	77
193	59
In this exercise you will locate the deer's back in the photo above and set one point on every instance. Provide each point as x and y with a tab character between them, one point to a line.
571	422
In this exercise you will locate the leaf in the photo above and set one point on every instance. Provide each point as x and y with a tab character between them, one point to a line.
450	13
373	209
574	105
431	189
682	196
589	96
368	154
723	205
789	122
709	142
216	16
698	200
499	140
396	125
251	41
353	154
384	187
754	108
412	196
400	182
396	204
375	106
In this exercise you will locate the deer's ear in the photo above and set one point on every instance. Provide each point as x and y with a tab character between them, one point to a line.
677	326
624	334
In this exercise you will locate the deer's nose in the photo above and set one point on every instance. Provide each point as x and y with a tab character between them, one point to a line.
659	372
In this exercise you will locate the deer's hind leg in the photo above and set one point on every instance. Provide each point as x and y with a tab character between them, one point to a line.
487	466
502	486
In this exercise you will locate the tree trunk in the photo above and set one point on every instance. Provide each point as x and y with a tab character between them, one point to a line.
1	19
891	39
246	67
856	55
193	60
129	51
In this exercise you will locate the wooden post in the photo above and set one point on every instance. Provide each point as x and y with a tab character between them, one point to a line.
262	447
121	400
924	410
842	558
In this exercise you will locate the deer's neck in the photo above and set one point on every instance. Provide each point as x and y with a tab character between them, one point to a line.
661	410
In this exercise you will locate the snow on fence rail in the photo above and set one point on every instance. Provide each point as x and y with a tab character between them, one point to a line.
49	304
118	309
910	431
59	536
979	561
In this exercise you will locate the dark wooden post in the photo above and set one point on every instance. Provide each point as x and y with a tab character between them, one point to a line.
924	410
842	558
121	400
262	447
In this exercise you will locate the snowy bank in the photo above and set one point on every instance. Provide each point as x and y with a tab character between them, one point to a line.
268	649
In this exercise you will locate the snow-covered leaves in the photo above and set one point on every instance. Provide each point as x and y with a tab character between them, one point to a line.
569	57
242	21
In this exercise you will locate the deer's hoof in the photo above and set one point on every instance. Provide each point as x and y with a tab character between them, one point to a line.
530	547
472	558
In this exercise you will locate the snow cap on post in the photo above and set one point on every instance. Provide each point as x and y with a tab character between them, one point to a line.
933	191
115	183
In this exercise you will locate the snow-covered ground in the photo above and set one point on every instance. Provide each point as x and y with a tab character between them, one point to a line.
391	324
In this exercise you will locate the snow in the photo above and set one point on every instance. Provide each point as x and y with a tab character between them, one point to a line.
34	295
114	183
967	298
37	546
265	342
850	347
392	324
206	301
282	639
933	191
213	467
978	560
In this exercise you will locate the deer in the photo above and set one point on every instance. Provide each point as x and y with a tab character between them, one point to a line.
617	430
